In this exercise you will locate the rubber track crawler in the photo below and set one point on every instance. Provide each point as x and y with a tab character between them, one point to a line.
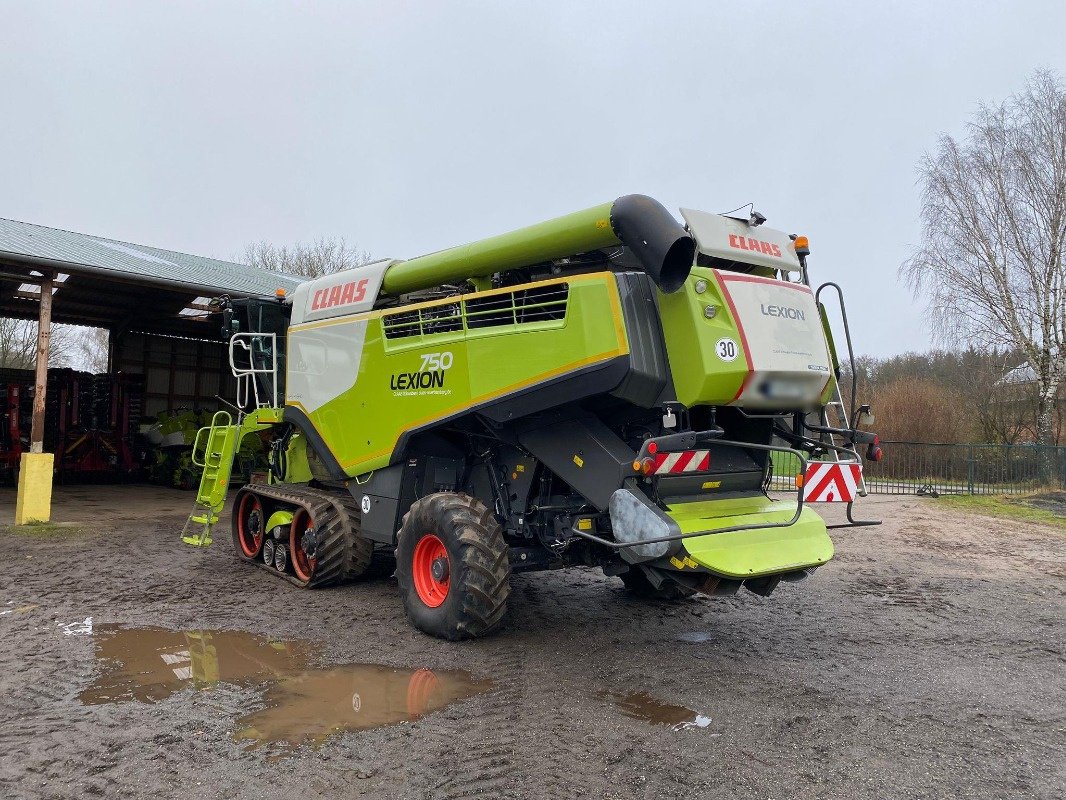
339	553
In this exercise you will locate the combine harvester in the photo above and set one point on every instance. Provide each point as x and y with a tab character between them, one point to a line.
605	389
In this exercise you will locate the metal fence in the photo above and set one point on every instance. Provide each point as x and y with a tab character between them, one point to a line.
921	468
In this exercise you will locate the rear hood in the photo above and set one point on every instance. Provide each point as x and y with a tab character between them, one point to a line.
735	240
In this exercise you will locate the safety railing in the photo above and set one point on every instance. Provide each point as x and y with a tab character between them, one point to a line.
253	360
926	468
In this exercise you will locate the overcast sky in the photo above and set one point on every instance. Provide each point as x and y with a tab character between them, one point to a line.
407	127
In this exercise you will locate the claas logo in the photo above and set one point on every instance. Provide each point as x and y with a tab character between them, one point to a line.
754	245
340	295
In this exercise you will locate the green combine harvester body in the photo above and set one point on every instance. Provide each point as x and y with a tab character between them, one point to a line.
601	390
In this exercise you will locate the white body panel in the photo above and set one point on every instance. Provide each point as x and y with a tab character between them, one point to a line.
323	362
781	333
347	292
734	239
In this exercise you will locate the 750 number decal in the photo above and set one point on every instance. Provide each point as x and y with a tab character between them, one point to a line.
431	362
430	375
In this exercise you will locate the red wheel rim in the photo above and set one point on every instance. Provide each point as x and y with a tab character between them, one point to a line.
431	591
250	542
302	564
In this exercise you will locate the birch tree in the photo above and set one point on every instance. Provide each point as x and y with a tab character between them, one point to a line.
991	259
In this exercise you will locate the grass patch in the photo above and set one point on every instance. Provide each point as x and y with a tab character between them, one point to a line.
43	529
1011	507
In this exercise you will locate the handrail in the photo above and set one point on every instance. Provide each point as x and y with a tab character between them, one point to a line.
847	338
225	422
196	447
246	375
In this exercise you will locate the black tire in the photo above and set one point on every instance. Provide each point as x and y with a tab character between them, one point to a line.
638	585
473	600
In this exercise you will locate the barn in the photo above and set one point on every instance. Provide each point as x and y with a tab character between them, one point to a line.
167	365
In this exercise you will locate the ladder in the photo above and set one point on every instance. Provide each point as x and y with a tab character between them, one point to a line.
257	356
837	403
218	448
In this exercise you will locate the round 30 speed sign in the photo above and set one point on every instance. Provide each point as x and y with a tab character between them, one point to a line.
726	349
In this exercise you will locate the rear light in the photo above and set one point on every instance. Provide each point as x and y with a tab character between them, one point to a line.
644	465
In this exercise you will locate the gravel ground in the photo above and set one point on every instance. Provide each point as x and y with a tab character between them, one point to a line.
926	660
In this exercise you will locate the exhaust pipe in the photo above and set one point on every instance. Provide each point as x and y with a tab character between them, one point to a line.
662	246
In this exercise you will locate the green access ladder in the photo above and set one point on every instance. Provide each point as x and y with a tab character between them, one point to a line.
218	445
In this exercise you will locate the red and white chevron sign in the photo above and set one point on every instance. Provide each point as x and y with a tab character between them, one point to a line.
680	462
831	483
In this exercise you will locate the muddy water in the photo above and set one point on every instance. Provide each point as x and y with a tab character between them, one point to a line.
644	707
304	704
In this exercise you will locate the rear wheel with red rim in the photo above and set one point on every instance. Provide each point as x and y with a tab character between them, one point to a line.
430	570
452	566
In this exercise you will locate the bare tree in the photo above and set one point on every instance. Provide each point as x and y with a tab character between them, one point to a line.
91	349
18	344
324	256
991	261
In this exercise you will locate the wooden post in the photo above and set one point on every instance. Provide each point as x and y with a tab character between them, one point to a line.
44	337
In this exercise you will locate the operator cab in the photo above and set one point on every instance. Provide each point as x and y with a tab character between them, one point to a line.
255	329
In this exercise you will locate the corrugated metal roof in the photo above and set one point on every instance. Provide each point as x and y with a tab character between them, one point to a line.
138	261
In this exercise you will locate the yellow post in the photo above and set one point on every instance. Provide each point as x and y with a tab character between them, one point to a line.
34	500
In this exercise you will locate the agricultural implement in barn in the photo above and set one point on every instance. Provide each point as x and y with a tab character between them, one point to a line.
605	389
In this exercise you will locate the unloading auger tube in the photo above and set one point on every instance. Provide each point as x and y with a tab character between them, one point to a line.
663	247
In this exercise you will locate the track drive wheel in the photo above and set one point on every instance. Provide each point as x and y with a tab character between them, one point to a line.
638	585
452	567
249	524
326	547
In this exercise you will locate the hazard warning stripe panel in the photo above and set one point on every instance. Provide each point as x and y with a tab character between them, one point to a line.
681	462
826	482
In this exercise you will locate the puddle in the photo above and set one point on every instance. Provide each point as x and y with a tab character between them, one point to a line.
310	706
304	704
644	707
